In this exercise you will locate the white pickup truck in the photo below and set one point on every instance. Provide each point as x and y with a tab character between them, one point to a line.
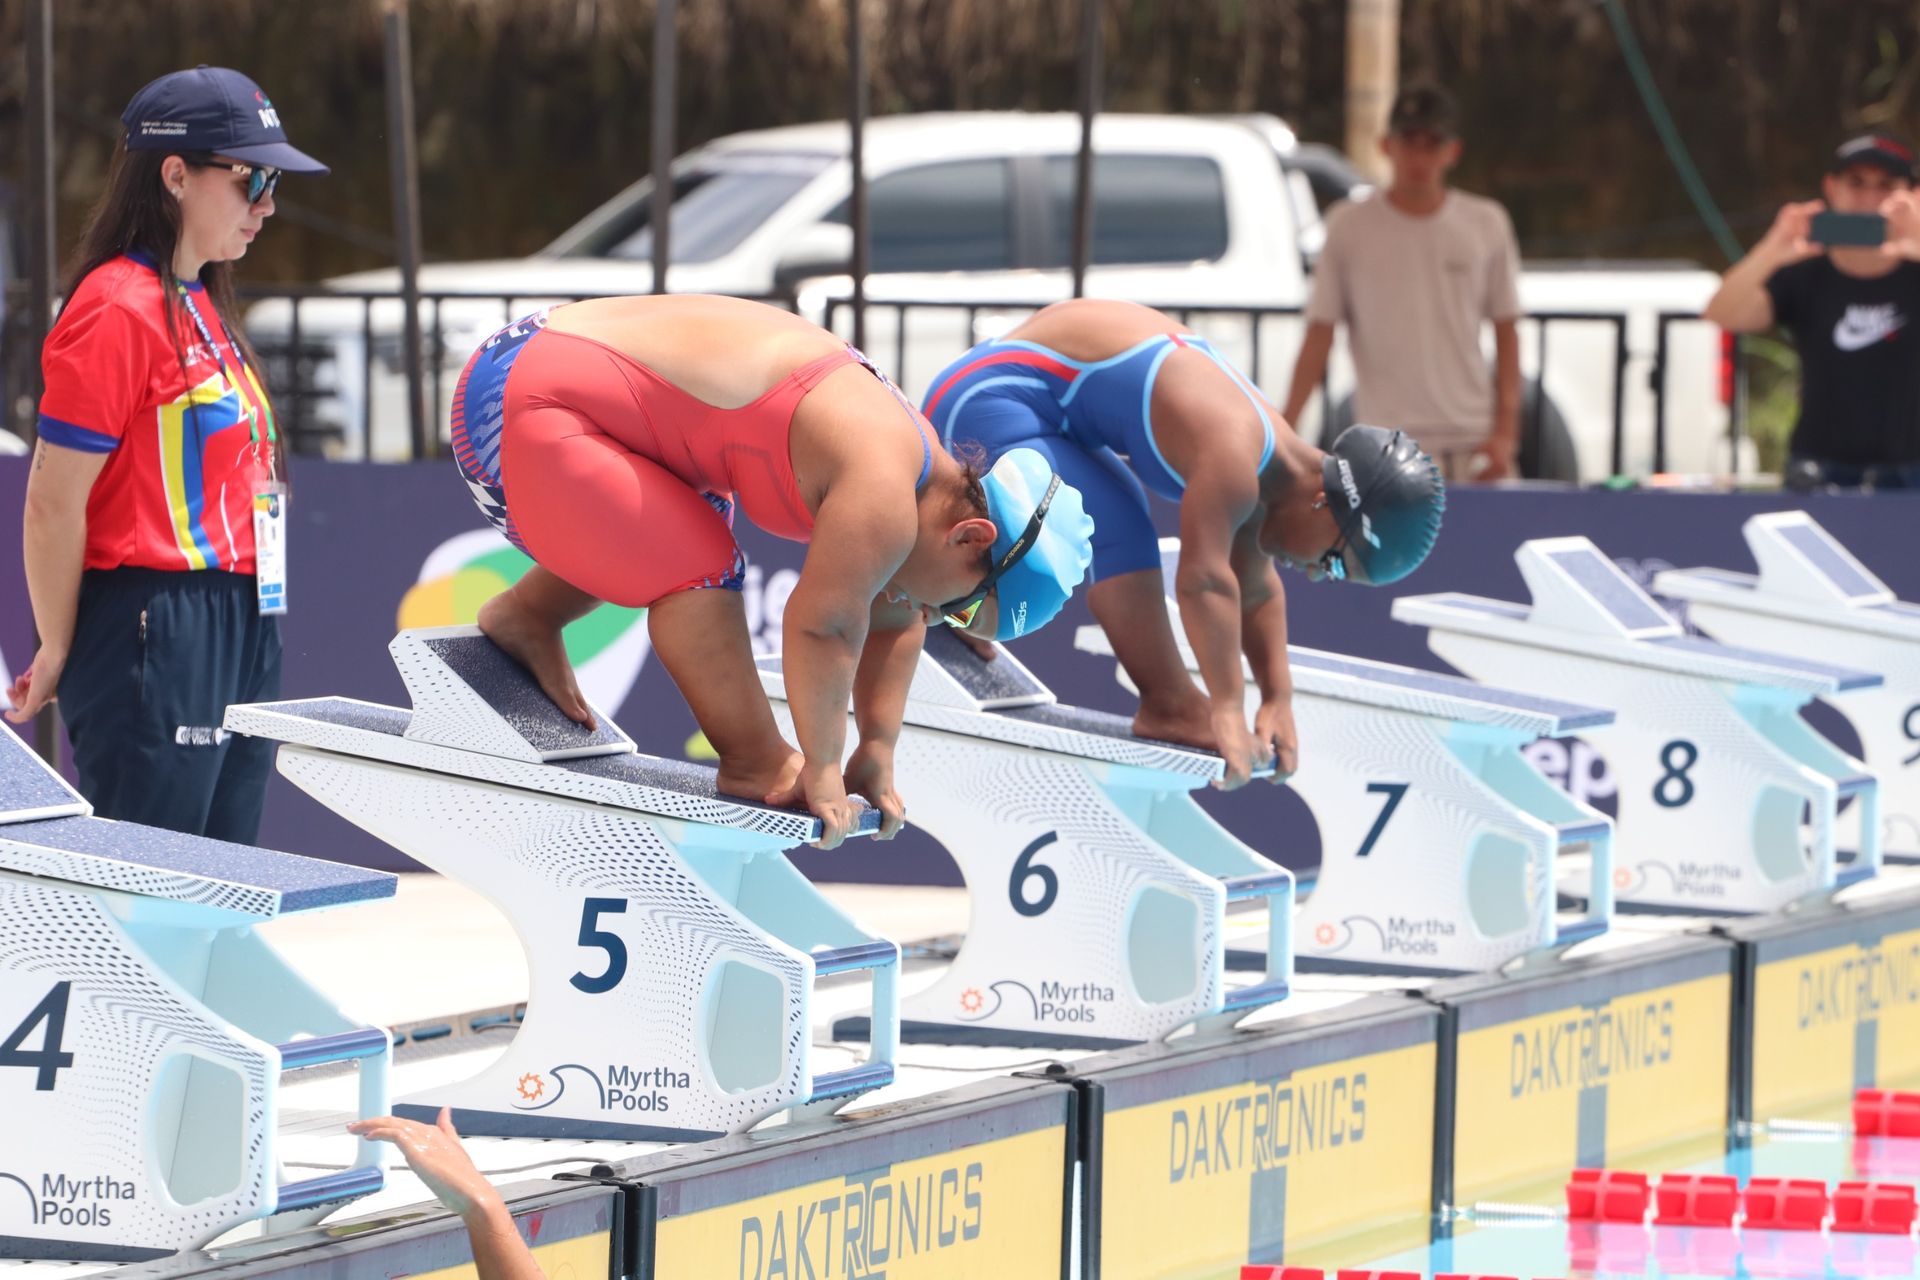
970	215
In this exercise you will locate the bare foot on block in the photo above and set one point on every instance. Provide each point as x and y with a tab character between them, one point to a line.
1186	721
754	776
537	646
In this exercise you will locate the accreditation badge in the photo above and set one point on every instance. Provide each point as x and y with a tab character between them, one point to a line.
270	547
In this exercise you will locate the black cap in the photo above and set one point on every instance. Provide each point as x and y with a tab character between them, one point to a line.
212	109
1387	498
1424	108
1880	150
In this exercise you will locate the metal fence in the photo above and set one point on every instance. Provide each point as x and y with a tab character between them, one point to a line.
317	370
1540	325
329	352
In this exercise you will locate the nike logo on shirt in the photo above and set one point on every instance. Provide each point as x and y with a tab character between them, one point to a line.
1862	326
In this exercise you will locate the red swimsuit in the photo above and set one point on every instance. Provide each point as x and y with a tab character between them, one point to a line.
620	482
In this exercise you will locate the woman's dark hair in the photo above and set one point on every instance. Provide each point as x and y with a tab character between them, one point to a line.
973	468
135	213
973	493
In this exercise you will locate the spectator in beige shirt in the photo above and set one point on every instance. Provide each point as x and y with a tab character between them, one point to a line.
1414	272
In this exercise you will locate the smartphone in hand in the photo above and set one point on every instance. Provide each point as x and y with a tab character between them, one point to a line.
1846	230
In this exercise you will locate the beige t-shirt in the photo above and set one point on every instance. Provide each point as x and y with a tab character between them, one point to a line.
1414	293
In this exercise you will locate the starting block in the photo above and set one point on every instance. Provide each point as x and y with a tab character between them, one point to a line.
1812	599
1438	840
672	949
1728	799
1098	888
144	1028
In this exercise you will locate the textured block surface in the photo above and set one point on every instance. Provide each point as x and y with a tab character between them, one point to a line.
509	689
137	859
28	788
999	682
672	788
1844	678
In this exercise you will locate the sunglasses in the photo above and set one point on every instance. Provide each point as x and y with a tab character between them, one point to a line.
962	612
261	179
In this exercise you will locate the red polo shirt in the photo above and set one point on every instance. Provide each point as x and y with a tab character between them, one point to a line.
187	455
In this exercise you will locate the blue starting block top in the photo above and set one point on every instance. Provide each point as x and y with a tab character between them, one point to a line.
29	788
1583	603
468	694
1805	575
999	685
1023	712
156	863
46	830
1384	684
507	690
627	780
480	715
1390	687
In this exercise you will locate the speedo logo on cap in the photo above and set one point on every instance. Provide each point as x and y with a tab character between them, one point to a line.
1020	620
1346	483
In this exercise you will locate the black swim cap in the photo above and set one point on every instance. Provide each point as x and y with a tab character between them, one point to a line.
1386	496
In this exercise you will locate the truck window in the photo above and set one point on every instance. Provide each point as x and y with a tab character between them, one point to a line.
1146	208
939	217
716	205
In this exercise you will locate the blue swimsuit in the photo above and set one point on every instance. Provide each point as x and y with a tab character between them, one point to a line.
1092	420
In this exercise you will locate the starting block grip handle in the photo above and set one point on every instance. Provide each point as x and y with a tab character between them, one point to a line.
861	955
1253	997
860	1079
1574	832
883	1040
1598	917
329	1187
1278	888
363	1042
371	1047
1240	888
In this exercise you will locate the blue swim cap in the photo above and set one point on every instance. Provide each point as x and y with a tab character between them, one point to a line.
1032	590
1386	497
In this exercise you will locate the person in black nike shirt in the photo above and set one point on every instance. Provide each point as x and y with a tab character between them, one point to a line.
1854	315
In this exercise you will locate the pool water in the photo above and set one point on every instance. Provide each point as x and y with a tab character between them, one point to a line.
1518	1242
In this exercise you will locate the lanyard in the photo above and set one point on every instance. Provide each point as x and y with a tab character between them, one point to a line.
258	398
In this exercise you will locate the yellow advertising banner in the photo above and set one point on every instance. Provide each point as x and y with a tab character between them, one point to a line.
1827	1021
1639	1080
995	1209
1340	1154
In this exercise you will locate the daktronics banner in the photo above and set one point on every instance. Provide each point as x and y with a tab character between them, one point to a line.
374	548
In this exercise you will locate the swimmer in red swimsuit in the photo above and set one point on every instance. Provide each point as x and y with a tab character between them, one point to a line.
610	440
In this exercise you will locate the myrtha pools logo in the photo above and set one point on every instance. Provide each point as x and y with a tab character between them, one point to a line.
619	1088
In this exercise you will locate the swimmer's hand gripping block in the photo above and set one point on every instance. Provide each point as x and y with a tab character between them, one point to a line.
1439	842
1098	889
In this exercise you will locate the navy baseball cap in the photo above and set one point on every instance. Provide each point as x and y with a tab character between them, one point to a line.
1879	150
212	109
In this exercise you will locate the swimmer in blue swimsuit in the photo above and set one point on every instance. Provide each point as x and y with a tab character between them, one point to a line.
1120	399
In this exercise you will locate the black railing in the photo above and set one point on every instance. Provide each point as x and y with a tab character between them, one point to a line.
316	401
297	354
1732	384
1184	314
1541	323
